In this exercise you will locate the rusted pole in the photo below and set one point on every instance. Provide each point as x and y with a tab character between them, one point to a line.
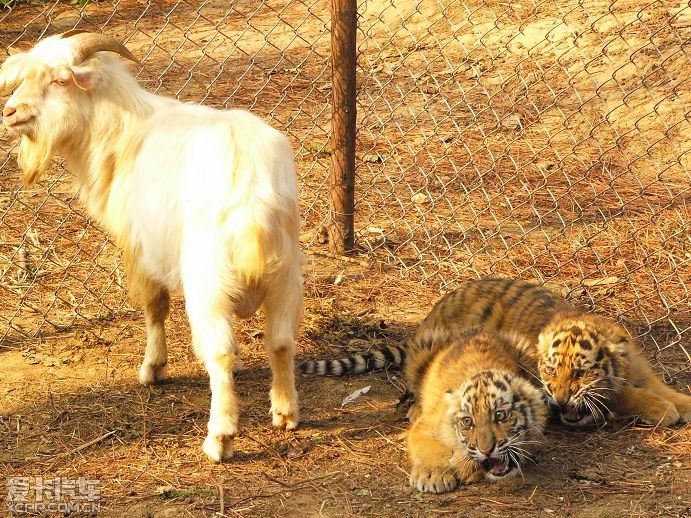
342	178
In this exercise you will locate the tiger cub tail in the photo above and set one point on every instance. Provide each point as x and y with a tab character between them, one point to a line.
379	358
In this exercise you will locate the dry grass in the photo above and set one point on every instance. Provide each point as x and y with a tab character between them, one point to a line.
548	143
72	407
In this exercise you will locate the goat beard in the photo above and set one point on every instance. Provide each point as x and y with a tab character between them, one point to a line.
33	157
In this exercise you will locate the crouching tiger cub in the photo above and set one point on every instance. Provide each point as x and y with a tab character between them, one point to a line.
476	417
588	364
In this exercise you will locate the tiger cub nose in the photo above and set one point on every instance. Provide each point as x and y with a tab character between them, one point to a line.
487	451
568	405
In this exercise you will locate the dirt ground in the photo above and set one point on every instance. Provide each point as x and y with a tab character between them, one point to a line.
72	407
514	180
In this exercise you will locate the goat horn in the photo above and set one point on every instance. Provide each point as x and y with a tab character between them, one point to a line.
89	43
8	82
9	76
72	32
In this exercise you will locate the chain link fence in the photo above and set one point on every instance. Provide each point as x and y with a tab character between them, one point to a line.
58	269
543	140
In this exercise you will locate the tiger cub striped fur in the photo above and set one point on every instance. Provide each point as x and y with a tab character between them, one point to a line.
389	355
476	416
589	365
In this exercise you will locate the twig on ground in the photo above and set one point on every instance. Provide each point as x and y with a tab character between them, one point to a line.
86	445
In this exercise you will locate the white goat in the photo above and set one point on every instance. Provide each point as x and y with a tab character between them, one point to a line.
201	200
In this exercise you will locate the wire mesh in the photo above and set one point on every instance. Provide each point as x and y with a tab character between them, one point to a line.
58	270
546	140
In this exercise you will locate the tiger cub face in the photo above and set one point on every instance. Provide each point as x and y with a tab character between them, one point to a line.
495	417
582	362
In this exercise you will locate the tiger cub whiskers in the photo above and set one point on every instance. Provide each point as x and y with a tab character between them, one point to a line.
475	416
588	364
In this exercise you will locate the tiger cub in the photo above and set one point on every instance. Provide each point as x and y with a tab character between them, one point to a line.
589	366
476	416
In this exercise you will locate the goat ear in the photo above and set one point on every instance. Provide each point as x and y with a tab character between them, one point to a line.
84	77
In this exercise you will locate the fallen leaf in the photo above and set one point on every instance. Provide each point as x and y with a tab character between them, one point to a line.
372	158
316	147
512	122
419	199
600	282
355	395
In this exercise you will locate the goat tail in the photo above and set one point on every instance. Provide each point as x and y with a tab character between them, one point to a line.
382	357
249	253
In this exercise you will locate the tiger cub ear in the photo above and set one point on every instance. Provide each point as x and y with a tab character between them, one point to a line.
618	341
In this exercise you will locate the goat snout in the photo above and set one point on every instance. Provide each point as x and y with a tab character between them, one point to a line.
9	111
18	118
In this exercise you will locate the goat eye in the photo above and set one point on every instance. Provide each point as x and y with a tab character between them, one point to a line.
500	415
60	81
467	422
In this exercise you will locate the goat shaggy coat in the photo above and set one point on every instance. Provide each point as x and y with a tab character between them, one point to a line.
201	200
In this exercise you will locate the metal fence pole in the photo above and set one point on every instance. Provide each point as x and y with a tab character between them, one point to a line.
342	177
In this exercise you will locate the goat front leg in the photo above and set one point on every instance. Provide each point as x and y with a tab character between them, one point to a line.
155	302
283	309
153	368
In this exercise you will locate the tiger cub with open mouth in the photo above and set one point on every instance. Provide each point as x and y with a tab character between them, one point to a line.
589	366
475	416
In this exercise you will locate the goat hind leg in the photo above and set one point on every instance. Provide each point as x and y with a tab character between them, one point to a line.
209	313
223	415
283	308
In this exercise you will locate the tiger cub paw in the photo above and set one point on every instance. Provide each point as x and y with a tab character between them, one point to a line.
683	406
414	412
471	477
467	470
662	413
433	479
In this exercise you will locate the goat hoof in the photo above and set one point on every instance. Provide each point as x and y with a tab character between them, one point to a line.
218	447
151	374
285	421
238	365
285	411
